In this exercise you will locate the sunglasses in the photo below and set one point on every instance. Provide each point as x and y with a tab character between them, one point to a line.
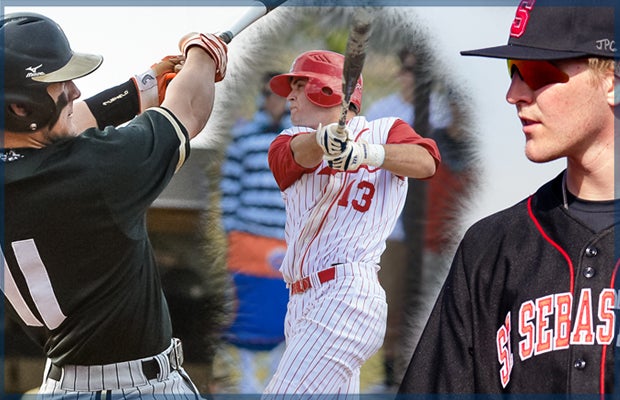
537	74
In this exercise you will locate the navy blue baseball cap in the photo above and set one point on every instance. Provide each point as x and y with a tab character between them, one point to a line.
558	29
36	49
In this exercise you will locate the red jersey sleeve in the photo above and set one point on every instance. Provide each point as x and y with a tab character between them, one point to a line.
402	132
282	163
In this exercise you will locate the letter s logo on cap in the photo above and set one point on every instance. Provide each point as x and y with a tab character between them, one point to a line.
521	18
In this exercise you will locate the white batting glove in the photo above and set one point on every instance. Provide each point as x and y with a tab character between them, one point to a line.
152	84
357	154
330	140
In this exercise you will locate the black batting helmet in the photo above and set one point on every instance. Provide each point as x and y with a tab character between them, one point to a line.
37	53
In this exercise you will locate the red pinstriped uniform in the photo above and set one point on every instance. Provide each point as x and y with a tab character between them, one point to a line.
342	219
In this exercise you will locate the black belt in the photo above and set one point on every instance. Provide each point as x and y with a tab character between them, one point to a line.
150	368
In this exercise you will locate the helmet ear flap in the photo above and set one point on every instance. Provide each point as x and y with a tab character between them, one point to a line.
323	92
38	106
323	69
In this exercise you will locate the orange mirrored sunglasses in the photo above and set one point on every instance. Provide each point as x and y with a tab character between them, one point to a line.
537	74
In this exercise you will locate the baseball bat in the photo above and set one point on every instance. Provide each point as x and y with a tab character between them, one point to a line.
257	10
354	57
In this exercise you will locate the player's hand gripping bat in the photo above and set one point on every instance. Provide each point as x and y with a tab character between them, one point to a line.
257	10
354	57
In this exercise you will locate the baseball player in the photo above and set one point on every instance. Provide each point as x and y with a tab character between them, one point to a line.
530	302
343	195
79	271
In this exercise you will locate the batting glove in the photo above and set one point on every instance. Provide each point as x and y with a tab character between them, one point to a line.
332	142
213	45
357	154
152	83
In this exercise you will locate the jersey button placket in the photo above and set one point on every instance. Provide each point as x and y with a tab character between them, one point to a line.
580	364
591	252
588	271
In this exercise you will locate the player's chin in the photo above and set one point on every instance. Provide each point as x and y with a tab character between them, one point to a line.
303	121
64	129
539	156
296	117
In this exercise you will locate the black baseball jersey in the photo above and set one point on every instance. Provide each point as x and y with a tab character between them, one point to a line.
81	269
529	306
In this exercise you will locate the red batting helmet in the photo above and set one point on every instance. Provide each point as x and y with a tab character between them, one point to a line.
323	69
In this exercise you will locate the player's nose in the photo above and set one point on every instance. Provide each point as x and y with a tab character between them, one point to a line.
518	90
72	91
292	96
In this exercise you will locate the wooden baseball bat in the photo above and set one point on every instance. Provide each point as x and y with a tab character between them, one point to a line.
354	58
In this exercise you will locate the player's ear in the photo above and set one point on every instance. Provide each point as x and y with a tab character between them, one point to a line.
613	93
616	89
19	110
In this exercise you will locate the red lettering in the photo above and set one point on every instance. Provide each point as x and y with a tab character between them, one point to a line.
344	200
562	320
606	301
583	332
544	335
526	330
538	334
522	16
504	353
365	192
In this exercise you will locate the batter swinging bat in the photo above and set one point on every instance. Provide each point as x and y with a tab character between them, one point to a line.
257	10
354	57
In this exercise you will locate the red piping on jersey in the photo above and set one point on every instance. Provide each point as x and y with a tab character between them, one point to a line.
364	166
572	282
360	133
554	244
316	233
604	355
303	258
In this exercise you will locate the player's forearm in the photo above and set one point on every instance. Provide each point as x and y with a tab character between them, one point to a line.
306	151
410	160
122	102
190	94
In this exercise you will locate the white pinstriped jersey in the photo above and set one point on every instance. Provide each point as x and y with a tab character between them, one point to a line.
342	217
336	218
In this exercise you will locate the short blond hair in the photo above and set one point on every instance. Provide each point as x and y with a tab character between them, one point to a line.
600	67
603	65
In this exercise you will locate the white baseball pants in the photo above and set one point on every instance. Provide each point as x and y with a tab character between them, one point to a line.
331	330
124	380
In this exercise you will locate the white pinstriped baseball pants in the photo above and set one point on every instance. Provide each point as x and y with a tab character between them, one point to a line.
124	380
331	330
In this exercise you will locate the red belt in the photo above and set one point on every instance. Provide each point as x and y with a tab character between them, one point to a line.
304	284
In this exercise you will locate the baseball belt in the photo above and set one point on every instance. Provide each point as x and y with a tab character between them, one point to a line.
304	284
150	367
